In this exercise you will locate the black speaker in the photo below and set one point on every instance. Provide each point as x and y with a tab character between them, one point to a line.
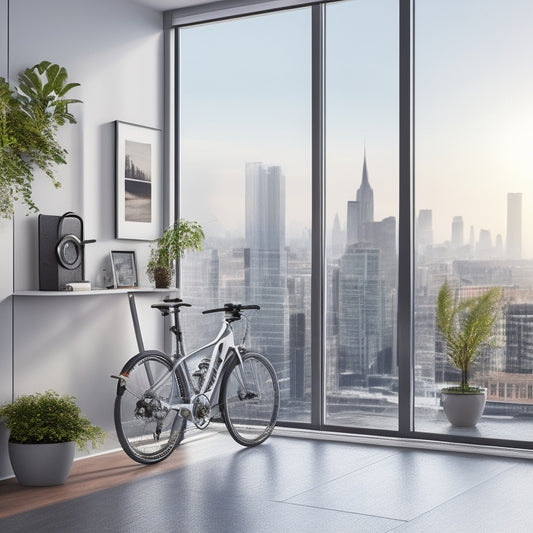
61	251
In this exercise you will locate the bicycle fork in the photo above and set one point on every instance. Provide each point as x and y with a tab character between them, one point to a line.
244	393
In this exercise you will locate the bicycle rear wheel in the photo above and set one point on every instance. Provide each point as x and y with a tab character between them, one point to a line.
250	399
147	430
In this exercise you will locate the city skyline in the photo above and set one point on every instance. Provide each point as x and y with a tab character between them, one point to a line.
361	296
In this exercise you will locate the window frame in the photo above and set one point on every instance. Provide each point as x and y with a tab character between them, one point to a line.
206	13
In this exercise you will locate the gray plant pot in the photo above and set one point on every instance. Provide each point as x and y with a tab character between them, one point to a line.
465	409
41	464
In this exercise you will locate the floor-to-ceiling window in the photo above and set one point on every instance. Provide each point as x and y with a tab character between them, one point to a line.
361	213
474	191
245	175
249	112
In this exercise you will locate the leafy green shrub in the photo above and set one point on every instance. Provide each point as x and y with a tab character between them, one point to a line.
46	418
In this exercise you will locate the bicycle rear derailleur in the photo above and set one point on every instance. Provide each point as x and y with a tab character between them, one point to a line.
201	411
149	407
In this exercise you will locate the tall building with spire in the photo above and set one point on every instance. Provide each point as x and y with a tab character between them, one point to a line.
361	211
365	197
365	277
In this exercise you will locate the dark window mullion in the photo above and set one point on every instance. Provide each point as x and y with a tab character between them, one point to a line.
318	330
406	208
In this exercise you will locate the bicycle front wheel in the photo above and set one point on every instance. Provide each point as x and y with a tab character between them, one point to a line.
250	399
147	429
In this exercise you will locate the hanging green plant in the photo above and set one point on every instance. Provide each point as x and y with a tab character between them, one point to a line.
30	116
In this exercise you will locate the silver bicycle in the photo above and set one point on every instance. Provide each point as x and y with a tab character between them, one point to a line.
157	394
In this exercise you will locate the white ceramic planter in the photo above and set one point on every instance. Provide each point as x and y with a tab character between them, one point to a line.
41	464
465	409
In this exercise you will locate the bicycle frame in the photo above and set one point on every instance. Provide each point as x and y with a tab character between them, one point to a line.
222	345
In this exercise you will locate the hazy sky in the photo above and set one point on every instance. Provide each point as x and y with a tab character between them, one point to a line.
474	112
246	97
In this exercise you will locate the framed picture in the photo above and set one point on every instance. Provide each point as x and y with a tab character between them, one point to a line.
138	182
124	268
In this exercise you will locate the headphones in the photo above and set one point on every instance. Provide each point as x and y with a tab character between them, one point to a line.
70	247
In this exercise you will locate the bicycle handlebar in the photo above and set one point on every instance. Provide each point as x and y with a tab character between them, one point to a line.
231	308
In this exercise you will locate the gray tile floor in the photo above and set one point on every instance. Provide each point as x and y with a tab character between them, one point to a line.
296	485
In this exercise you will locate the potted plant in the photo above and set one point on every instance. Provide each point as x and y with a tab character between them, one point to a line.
465	326
176	239
44	431
30	116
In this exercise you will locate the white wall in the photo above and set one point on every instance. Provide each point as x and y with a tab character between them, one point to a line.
115	50
6	275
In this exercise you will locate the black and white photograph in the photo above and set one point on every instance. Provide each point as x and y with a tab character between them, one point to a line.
124	268
138	182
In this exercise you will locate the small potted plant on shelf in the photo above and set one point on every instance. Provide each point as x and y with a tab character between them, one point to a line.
465	325
44	431
176	239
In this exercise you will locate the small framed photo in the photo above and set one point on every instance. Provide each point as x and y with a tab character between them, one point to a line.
138	182
124	268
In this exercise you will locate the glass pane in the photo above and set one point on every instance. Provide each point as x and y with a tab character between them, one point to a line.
361	213
474	194
245	136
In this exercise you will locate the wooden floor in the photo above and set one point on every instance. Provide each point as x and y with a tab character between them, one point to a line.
211	484
87	476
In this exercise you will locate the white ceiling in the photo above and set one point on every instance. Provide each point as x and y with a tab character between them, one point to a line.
165	5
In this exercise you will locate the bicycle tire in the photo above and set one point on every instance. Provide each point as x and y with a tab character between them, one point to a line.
250	421
137	432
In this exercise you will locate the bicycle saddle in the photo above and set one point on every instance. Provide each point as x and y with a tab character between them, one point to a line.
170	303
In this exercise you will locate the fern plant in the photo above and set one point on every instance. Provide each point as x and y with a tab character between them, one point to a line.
466	325
30	116
176	239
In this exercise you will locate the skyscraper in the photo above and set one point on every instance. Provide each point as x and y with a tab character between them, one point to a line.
519	338
337	238
457	232
264	207
365	197
360	314
484	245
366	276
424	229
361	211
514	225
266	260
382	235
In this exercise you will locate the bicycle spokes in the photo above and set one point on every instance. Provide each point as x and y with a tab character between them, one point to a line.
250	400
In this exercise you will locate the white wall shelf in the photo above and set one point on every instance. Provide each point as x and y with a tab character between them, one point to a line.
94	292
